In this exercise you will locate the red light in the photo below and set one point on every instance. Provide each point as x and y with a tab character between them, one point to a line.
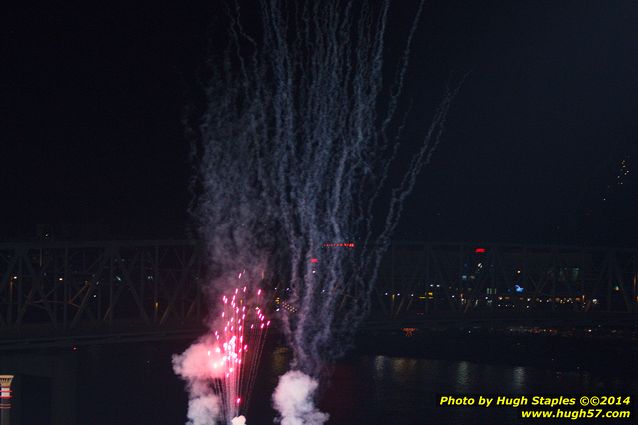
480	250
339	245
314	260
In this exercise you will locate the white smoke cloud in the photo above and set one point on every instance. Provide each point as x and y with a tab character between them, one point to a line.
294	400
197	362
239	420
203	410
196	366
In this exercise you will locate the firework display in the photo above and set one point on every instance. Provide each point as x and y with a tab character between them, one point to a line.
239	341
296	162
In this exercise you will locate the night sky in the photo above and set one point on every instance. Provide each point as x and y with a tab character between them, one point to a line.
540	144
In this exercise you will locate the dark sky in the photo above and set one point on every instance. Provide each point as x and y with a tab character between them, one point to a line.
93	97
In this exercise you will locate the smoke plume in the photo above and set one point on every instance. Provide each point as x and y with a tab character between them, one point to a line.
239	420
204	406
294	157
294	400
294	154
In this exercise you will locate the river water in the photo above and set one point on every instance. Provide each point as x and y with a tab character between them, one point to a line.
133	384
382	390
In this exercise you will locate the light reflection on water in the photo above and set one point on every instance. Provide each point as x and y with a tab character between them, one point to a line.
402	391
363	390
518	379
462	380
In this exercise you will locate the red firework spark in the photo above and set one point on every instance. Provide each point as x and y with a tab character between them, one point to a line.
239	342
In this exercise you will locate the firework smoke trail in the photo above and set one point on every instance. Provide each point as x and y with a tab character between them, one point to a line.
295	153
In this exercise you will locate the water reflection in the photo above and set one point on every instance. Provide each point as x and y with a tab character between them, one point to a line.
366	390
396	390
379	364
462	378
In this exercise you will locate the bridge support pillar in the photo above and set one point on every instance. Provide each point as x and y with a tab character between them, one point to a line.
5	399
45	388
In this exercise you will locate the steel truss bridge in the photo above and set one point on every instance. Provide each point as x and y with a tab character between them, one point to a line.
54	293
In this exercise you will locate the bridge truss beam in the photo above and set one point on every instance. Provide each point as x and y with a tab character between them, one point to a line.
102	285
82	290
471	277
